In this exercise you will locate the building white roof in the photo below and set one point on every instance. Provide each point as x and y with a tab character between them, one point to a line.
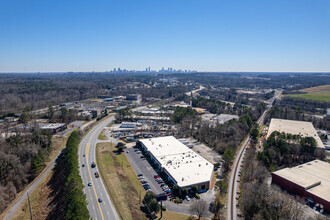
314	176
302	128
51	125
184	165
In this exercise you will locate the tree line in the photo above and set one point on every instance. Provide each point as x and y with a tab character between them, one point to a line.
282	150
76	204
22	158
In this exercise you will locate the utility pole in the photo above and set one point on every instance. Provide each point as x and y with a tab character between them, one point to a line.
161	209
29	204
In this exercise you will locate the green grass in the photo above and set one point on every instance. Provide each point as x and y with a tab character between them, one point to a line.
102	136
320	96
122	182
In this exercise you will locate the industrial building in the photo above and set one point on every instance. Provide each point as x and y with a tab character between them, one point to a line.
310	180
52	127
182	166
302	128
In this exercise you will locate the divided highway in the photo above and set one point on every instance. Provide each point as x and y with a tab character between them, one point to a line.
234	178
97	210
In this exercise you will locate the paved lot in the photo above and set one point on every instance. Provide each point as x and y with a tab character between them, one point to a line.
143	167
203	150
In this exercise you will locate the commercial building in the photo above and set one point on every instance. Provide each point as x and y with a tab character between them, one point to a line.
302	128
182	166
310	180
52	127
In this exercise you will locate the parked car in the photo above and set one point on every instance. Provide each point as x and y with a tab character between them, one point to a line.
143	181
143	157
187	198
156	176
138	152
140	174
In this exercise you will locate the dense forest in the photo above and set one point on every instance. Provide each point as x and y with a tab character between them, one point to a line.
44	89
22	158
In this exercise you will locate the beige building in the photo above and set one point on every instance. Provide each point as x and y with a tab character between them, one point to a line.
302	128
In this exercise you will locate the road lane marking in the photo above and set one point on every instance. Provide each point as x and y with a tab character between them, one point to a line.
87	150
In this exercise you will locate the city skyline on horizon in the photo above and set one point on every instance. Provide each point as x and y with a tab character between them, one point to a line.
208	36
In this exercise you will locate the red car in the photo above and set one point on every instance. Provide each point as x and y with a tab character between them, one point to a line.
156	176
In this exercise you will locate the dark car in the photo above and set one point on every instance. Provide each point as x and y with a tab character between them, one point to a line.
100	200
83	165
140	174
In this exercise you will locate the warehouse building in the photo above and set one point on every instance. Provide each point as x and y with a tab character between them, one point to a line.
310	180
302	128
182	166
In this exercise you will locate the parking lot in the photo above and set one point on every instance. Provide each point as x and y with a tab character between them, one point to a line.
143	167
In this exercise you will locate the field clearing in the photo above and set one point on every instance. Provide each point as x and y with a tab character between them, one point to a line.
317	93
318	96
317	89
122	182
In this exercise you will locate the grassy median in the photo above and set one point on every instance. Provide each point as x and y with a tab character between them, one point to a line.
121	181
102	136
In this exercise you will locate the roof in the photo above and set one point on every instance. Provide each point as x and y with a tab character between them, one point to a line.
314	176
184	165
51	125
302	128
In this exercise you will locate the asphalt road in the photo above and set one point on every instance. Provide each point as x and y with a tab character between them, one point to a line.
97	210
234	178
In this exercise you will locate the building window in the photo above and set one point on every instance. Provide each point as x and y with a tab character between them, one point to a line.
203	187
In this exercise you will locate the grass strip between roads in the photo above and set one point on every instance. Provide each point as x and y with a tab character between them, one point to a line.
102	136
121	181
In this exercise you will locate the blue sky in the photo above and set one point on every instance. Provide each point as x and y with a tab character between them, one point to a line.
204	35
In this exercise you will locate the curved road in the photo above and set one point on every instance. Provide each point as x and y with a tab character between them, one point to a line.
97	210
234	178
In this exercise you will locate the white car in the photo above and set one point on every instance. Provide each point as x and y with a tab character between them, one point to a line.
187	198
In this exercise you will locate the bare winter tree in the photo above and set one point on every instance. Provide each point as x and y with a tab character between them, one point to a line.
199	207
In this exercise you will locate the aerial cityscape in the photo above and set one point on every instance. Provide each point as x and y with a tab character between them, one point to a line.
174	110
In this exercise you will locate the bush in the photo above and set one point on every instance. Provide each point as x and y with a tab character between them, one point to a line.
178	200
197	196
164	208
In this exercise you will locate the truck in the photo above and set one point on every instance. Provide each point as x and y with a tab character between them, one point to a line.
93	165
97	175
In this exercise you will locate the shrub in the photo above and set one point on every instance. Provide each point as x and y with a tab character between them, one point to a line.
197	196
